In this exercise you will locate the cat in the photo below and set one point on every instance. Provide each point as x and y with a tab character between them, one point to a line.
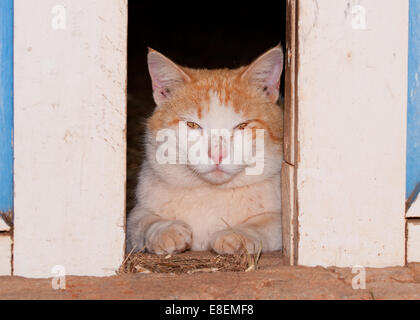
212	206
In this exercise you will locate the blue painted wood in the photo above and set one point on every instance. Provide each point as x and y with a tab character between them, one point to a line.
413	114
6	106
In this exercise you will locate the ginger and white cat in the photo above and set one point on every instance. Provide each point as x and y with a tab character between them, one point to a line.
215	205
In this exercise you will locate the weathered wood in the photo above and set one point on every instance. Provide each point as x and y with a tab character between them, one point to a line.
352	97
290	90
70	128
289	221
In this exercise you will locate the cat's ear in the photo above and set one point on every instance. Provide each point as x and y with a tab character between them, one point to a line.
265	72
165	74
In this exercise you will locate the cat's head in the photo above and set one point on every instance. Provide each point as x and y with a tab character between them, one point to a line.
203	115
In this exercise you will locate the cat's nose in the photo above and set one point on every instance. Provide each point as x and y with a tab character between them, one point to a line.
216	156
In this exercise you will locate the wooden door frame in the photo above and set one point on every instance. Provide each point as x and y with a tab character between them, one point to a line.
289	192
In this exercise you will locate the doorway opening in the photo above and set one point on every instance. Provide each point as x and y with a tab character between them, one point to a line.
212	37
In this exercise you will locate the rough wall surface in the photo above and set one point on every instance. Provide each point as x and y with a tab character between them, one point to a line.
352	97
70	127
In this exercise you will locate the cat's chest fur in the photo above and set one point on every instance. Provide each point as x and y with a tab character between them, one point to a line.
210	209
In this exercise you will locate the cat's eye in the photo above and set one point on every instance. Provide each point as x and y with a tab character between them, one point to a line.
193	125
241	126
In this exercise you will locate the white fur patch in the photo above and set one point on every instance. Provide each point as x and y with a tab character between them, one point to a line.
220	115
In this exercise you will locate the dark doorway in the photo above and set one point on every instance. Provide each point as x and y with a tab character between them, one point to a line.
201	35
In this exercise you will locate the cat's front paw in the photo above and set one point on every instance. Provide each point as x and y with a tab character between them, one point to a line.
231	241
167	237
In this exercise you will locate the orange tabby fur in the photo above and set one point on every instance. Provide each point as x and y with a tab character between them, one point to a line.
183	206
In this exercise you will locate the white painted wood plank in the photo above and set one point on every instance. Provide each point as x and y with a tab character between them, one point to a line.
414	210
6	255
413	240
70	127
352	97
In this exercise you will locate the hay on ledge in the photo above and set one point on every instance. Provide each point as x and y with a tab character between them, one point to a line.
188	263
